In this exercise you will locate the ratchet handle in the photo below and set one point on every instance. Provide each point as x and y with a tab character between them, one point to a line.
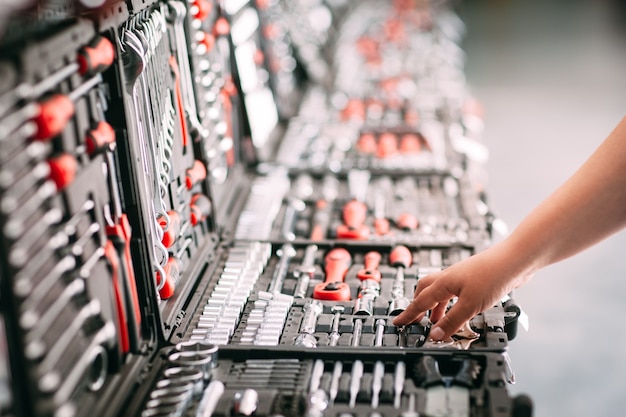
337	262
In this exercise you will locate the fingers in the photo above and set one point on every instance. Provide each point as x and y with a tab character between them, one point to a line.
429	294
452	321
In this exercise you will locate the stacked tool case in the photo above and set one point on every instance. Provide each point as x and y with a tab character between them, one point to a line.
216	208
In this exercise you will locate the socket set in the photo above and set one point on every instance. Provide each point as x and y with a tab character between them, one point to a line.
232	381
415	209
215	208
314	296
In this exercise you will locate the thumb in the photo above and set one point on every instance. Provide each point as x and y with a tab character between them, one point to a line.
452	321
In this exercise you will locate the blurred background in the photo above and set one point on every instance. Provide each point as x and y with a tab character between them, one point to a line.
552	77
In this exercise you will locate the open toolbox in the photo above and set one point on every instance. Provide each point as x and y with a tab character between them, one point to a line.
435	208
151	224
192	377
320	295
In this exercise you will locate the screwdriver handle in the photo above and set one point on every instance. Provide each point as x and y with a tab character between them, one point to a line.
97	56
370	271
100	138
400	257
172	276
200	207
63	170
173	229
201	9
54	114
195	174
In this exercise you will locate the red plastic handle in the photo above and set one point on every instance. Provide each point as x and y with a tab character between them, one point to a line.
53	116
370	271
400	256
195	174
170	235
337	262
95	57
100	138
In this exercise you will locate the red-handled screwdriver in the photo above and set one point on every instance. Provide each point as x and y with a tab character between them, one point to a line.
200	207
100	139
195	174
200	9
96	57
56	111
92	59
370	270
172	277
337	262
173	228
63	170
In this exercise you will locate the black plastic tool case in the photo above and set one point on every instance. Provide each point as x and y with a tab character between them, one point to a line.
180	179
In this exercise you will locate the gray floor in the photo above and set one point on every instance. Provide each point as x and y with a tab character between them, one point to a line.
552	76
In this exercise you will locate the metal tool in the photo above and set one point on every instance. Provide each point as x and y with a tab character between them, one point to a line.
305	272
312	311
356	333
401	258
377	382
246	402
355	381
210	398
380	332
316	375
334	382
398	383
294	206
334	334
286	252
429	378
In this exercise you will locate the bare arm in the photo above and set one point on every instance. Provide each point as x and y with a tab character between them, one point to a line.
588	207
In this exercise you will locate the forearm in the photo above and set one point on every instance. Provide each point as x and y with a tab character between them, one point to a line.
587	208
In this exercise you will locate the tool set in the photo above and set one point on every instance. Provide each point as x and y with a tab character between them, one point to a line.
216	208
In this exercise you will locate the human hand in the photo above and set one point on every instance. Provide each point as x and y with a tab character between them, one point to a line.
479	282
